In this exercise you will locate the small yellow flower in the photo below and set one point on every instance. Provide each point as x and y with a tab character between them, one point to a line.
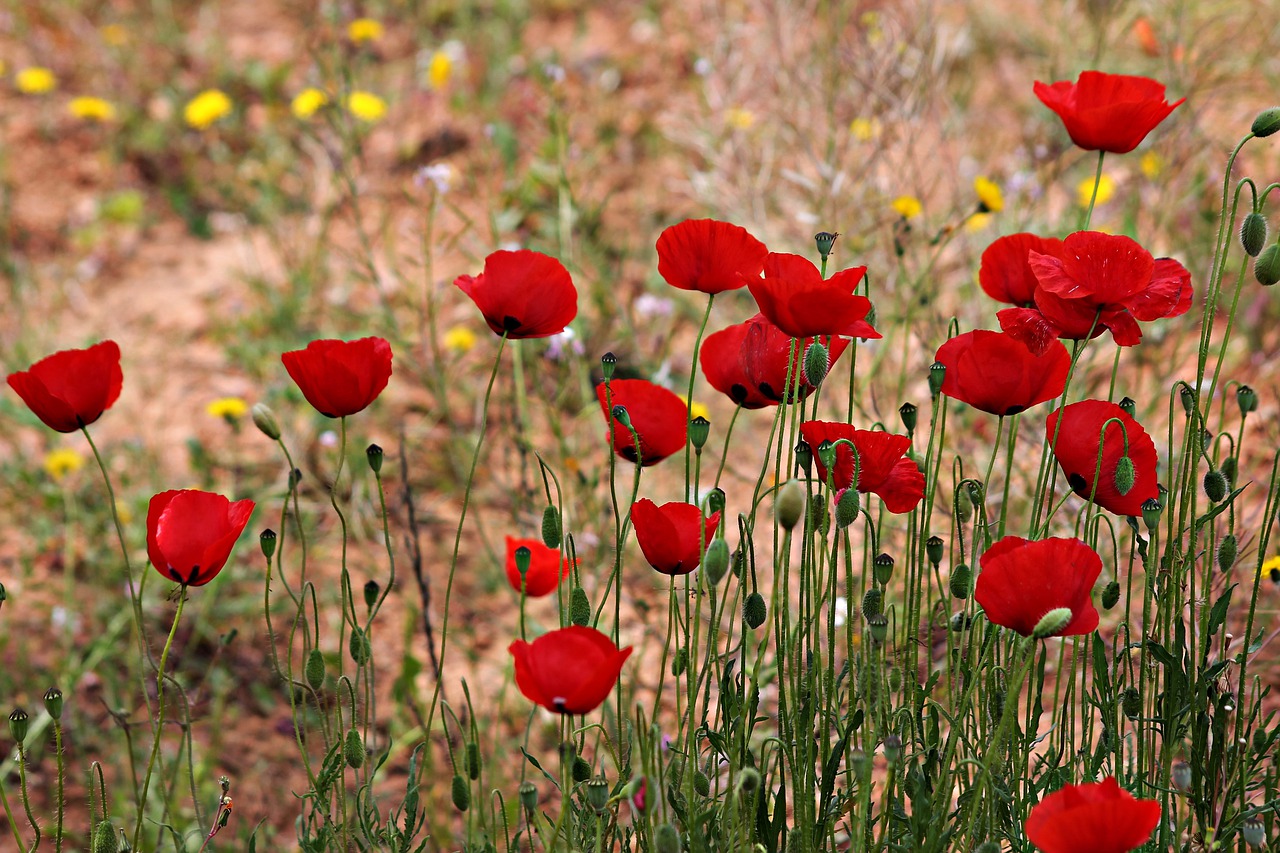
228	408
63	461
697	410
1106	189
739	118
439	70
990	198
1151	164
907	206
307	102
977	222
865	129
459	339
362	30
35	81
92	109
1271	568
366	106
206	108
115	35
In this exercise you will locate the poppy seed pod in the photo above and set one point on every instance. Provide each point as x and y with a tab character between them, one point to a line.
909	414
937	376
988	847
699	432
1254	833
267	541
754	610
1246	399
1180	775
825	240
528	796
933	549
892	748
790	504
53	702
804	457
265	420
373	454
1130	406
608	364
1151	510
882	568
551	527
19	722
1266	123
878	627
1253	233
598	795
1266	268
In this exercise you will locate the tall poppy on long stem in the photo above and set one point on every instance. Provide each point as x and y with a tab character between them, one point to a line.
569	671
996	373
1096	817
1039	588
658	416
190	533
523	294
673	536
72	388
1116	470
1107	112
709	256
340	378
795	297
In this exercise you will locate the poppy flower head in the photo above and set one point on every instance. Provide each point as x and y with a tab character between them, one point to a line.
523	294
569	671
882	466
709	256
1024	584
795	297
71	388
997	373
546	567
1076	450
1004	272
748	362
1107	112
190	533
1096	817
673	536
340	378
659	417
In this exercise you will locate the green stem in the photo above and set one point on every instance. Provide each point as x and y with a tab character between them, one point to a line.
688	411
160	711
1097	179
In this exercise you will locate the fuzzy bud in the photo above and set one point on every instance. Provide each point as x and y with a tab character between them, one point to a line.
551	527
963	505
680	662
373	454
1229	470
1215	485
789	505
847	508
961	582
667	839
265	420
892	748
1266	123
1131	703
1253	233
701	784
933	549
1188	399
53	702
460	793
1125	475
581	769
882	568
473	759
873	601
1052	623
1266	269
1227	550
748	782
105	838
359	648
716	562
315	669
754	610
579	607
816	363
1111	595
353	749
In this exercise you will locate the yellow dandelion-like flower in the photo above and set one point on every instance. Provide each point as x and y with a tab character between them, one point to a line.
1271	569
35	81
206	108
63	461
990	198
439	70
697	410
362	30
115	35
308	102
865	129
1106	189
977	222
739	118
907	206
459	339
228	408
92	109
366	106
1151	164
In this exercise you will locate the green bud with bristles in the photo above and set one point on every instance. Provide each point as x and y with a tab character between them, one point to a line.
816	363
473	759
1052	623
754	610
680	662
819	519
1215	485
359	647
701	784
551	527
961	582
748	782
105	838
715	501
847	508
1228	469
1253	233
988	847
1266	268
716	562
315	669
1111	595
460	793
667	839
963	505
371	590
579	607
789	505
1131	703
873	601
1125	475
353	749
1266	123
581	769
1227	550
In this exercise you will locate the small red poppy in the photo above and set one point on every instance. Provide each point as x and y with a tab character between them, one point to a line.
72	388
190	533
340	378
523	294
883	468
673	536
1077	453
1024	581
795	297
569	671
1096	817
659	417
748	362
709	256
546	567
996	373
1107	112
1004	272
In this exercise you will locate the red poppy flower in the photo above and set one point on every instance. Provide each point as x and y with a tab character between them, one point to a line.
545	567
673	536
72	388
748	362
1024	581
340	378
1077	453
1107	112
795	297
659	417
883	468
523	294
709	256
996	373
1004	272
569	671
1096	817
190	533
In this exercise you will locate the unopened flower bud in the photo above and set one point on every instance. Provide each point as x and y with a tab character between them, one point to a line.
265	420
988	847
1253	233
937	375
581	769
1266	123
667	839
19	722
963	505
1187	398
748	782
933	549
1229	470
1111	595
53	702
1131	703
716	561
754	610
699	431
789	505
371	590
1181	775
827	456
373	453
551	527
680	662
961	582
105	838
825	240
892	748
1266	268
1227	550
528	796
873	601
1151	509
473	759
847	508
878	627
4	595
715	501
267	541
1129	405
701	784
1052	623
353	748
608	362
804	457
460	793
359	648
1215	485
882	568
816	363
1124	475
579	607
315	669
909	414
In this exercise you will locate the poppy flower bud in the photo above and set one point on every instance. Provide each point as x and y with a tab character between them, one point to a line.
579	607
267	541
608	362
878	627
716	561
825	240
1124	475
963	505
528	796
933	548
667	839
1131	703
373	453
353	748
105	838
1266	269
1266	123
680	662
315	669
53	702
1253	233
1181	775
937	375
1246	399
873	601
699	431
551	527
827	454
908	413
1188	399
789	506
895	679
748	782
265	420
1111	595
961	582
1254	833
754	610
882	568
1129	405
581	769
804	457
19	722
1215	485
995	704
816	363
1151	509
847	508
892	748
460	793
359	648
1227	550
371	590
473	760
1052	623
294	478
701	784
715	501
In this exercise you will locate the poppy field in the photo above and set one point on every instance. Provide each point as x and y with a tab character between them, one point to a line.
503	427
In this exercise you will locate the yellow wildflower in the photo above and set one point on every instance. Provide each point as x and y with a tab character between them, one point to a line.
697	410
63	461
366	106
115	35
739	118
364	29
990	198
35	81
1106	189
907	206
864	129
1151	164
439	70
459	339
228	408
92	109
1271	568
206	108
307	102
977	222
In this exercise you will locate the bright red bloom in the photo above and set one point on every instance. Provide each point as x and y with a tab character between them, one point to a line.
795	297
883	468
1022	581
1096	817
709	256
1077	453
996	373
190	533
569	671
659	417
748	362
545	567
1107	112
72	388
523	294
340	378
673	536
1004	272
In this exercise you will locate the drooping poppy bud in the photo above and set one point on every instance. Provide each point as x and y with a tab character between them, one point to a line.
1253	233
754	610
1266	269
1266	123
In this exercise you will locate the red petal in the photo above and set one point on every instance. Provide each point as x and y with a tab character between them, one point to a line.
1076	451
709	256
1005	273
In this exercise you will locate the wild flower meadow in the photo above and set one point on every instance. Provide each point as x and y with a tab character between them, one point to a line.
770	554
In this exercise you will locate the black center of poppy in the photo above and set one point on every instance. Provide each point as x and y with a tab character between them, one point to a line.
767	390
1013	410
738	393
559	704
1079	485
628	453
510	323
